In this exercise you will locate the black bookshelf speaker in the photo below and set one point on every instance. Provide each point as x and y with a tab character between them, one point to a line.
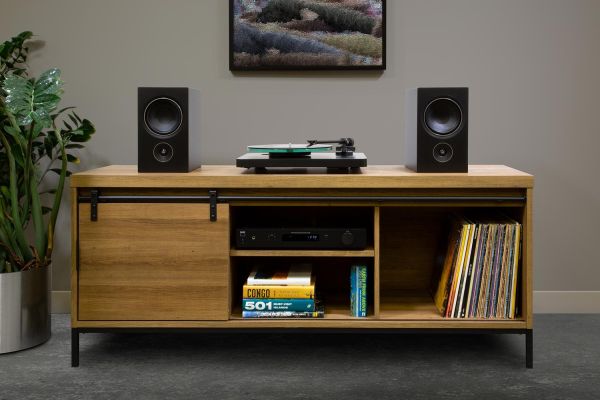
437	126
167	129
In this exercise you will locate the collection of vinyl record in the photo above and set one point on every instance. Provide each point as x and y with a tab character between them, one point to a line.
479	276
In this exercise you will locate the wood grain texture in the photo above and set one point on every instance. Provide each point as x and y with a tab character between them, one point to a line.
377	260
409	244
317	323
527	260
153	262
368	252
418	305
74	256
117	290
224	176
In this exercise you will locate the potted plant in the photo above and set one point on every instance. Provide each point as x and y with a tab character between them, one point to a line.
35	140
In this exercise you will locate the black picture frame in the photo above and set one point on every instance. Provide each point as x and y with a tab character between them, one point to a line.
382	67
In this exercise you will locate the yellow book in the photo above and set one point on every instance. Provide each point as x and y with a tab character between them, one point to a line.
458	269
460	288
279	292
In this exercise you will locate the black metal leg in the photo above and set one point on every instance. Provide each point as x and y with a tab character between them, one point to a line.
74	347
529	348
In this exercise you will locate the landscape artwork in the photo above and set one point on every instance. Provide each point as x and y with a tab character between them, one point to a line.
307	34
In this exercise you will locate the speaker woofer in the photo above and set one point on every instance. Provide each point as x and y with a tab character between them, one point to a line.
443	116
163	117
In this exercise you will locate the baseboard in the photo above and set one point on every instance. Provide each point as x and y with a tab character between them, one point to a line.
61	302
566	302
544	302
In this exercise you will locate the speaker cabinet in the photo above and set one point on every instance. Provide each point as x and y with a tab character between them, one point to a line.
167	130
437	126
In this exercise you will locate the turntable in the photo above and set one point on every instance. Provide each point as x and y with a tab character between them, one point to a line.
314	154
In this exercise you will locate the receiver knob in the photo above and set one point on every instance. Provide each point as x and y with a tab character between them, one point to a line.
347	238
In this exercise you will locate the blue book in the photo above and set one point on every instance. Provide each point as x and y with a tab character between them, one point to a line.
301	305
358	291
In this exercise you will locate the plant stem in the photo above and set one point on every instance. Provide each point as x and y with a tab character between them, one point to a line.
38	221
59	190
14	200
47	169
5	233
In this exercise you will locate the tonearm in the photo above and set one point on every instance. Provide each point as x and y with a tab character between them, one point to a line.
346	145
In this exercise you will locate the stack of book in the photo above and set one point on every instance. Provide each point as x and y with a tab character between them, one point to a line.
479	276
281	293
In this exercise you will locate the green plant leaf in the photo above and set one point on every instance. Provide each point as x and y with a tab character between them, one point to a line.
62	110
33	101
19	156
70	158
82	133
19	94
74	146
17	135
73	119
48	146
10	46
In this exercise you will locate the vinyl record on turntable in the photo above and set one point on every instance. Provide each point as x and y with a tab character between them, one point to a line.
289	150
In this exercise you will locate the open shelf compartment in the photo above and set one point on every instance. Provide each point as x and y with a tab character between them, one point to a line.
412	246
332	280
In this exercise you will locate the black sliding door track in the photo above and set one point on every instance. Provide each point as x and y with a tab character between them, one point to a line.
233	198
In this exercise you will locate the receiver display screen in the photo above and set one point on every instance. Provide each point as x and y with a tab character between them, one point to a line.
300	237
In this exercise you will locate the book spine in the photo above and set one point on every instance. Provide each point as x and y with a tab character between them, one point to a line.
353	291
278	292
283	314
278	282
306	305
358	291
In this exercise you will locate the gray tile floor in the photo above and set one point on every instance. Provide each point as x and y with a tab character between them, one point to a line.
293	366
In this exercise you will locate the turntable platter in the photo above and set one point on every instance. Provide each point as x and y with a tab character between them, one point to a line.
289	149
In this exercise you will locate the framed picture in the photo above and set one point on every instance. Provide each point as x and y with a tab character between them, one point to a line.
271	35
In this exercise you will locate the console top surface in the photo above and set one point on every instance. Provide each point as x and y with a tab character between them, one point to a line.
371	177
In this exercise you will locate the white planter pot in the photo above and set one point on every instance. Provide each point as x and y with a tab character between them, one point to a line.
24	309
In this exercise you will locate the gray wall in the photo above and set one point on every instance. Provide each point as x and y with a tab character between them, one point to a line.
532	66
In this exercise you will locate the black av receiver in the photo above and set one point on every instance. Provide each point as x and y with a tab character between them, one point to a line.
297	238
